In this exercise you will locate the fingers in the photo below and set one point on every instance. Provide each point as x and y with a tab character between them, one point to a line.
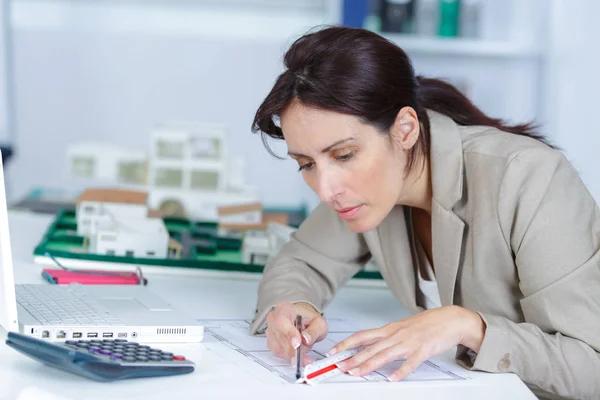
362	338
375	356
306	359
315	331
408	367
282	335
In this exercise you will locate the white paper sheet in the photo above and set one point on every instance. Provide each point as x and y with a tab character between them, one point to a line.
234	334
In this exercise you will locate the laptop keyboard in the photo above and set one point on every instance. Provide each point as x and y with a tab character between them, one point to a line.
64	305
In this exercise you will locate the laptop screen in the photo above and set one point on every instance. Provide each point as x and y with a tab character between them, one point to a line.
8	301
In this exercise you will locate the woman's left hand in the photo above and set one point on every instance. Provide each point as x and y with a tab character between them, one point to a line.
416	339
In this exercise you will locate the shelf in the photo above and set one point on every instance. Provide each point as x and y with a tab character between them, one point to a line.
414	45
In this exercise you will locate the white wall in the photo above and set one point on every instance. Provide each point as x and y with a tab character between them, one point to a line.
5	123
109	72
573	86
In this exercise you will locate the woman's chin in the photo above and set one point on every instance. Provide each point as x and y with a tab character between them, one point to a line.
361	225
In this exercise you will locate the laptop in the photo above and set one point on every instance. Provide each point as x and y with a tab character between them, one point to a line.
85	312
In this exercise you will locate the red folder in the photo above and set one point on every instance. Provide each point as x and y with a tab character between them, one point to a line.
61	277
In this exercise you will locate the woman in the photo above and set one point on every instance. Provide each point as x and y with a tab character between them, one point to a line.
482	230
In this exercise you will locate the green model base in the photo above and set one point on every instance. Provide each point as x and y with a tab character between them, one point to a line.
214	252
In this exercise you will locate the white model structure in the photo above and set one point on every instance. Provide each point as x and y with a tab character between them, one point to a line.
107	162
131	237
240	218
256	247
117	222
188	171
95	206
259	246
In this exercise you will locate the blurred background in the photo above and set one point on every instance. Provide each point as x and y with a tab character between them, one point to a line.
106	72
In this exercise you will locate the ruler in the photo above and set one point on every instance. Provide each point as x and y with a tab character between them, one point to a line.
326	368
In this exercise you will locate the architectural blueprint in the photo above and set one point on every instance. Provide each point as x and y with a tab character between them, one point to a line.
234	333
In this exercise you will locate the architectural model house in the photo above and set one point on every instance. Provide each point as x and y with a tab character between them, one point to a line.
256	247
188	171
191	173
99	205
118	222
131	237
105	162
241	217
259	246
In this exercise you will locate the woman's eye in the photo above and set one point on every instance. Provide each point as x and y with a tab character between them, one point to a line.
345	157
306	167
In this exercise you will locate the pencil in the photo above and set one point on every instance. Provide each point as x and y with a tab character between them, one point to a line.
298	354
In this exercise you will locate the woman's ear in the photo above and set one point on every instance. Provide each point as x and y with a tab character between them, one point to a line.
406	129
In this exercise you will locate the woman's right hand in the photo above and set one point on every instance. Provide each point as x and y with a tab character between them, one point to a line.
283	338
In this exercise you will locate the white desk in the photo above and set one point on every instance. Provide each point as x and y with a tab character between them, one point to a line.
216	376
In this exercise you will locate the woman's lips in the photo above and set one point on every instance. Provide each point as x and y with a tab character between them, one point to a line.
348	213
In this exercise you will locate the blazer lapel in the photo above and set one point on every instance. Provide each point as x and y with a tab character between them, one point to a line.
447	237
447	183
398	268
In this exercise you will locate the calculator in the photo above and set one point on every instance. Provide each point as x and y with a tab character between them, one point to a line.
102	360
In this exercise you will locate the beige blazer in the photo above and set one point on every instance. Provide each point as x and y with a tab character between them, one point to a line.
516	238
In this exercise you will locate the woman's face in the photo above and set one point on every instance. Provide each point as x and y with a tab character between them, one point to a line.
352	167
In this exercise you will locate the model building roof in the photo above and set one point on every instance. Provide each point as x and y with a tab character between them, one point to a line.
237	209
113	196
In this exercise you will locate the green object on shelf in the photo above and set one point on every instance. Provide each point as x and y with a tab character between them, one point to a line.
215	253
449	18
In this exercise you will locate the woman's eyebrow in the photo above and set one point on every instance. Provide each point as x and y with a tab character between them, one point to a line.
325	150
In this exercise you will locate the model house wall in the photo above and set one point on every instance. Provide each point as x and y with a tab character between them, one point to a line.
256	247
106	162
90	213
131	237
188	156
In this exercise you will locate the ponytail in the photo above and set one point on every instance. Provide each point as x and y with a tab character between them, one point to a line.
444	98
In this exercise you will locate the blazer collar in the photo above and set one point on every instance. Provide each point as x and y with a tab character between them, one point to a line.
446	160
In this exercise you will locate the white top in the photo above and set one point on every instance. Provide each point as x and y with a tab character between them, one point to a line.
427	284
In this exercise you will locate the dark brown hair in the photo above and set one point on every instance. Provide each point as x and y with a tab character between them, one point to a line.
358	72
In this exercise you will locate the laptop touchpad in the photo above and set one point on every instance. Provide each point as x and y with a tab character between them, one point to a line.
132	304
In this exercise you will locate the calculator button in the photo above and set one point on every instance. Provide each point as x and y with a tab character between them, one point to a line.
144	347
179	358
166	353
120	341
166	358
116	356
105	352
141	358
71	342
154	358
129	359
